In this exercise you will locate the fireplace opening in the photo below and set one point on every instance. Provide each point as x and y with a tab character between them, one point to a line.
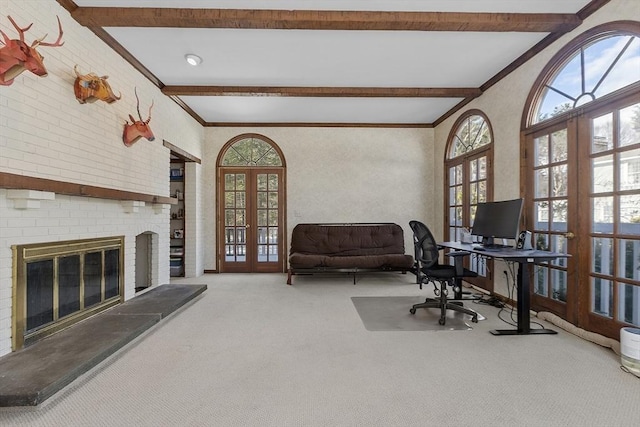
144	256
60	283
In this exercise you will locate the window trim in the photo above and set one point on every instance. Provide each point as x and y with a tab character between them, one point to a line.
558	61
229	144
454	130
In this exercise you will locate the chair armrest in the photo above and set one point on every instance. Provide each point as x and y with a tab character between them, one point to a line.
458	263
458	253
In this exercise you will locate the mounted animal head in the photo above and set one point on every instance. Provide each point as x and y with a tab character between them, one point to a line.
138	128
17	56
90	88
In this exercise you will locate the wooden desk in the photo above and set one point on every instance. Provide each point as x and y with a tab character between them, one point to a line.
524	259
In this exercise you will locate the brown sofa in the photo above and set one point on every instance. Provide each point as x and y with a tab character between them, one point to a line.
347	248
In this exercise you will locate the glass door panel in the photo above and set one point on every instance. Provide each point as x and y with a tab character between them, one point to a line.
614	198
550	222
467	186
235	217
268	217
585	182
456	199
477	194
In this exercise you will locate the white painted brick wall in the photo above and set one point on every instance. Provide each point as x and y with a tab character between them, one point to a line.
70	218
46	133
194	254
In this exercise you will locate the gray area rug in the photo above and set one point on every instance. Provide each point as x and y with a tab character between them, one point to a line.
392	314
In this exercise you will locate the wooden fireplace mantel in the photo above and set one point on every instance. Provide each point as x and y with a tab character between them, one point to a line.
22	182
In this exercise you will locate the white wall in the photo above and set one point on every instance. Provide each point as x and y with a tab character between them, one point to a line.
504	105
46	133
340	175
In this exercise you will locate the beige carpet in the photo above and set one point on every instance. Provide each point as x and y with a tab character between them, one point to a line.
253	351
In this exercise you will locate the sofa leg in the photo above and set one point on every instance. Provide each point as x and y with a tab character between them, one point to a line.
289	277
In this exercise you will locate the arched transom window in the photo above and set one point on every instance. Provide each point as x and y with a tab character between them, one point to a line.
251	151
472	132
599	67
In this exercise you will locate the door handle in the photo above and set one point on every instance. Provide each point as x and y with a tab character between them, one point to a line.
247	226
569	235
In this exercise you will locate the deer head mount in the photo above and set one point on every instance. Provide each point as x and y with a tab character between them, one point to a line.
91	87
138	128
17	56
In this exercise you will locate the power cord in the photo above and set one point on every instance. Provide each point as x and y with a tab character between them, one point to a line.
489	300
625	369
511	291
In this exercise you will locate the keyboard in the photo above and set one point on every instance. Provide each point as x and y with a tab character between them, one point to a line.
492	248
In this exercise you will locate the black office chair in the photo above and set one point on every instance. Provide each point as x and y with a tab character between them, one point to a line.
428	269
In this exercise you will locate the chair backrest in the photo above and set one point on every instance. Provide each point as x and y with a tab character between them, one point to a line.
425	244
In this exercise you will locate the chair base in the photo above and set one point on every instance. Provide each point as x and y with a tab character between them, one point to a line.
443	304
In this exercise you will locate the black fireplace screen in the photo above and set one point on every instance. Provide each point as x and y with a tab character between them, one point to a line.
60	283
39	293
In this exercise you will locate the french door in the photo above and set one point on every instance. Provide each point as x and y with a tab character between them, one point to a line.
251	220
469	183
583	194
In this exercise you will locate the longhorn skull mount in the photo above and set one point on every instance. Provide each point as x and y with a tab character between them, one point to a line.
138	128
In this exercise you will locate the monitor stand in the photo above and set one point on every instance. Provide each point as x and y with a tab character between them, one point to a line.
489	243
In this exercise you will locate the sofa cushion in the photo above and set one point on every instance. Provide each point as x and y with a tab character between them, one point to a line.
393	261
299	260
347	240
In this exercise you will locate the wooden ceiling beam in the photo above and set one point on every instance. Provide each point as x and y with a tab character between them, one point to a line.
337	92
320	125
323	20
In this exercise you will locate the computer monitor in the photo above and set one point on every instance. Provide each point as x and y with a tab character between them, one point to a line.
497	220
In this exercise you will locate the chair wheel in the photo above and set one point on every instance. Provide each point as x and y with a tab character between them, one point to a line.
441	321
474	319
412	310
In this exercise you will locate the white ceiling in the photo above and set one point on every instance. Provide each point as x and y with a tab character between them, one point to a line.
329	59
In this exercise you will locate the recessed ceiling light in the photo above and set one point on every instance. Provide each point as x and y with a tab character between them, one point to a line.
193	59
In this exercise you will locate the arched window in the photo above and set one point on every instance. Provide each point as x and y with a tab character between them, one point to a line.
251	151
603	63
469	180
472	132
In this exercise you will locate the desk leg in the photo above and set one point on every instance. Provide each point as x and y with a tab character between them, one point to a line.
523	306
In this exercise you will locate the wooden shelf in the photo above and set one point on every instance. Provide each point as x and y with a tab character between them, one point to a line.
177	220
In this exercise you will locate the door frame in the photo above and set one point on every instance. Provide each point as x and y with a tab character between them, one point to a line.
577	309
282	200
251	264
567	310
586	317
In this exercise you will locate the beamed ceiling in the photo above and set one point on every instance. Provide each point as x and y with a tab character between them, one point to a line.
382	63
